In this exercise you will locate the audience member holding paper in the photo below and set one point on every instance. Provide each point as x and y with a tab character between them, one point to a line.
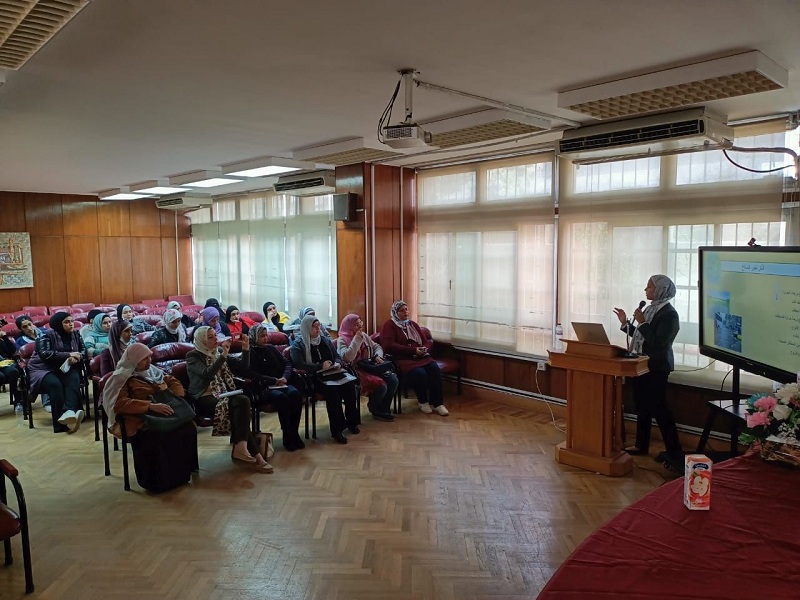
210	383
55	370
271	372
314	353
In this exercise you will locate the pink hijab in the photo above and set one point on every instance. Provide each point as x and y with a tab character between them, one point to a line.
347	330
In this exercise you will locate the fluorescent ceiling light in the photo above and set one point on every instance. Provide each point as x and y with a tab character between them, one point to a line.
203	179
122	193
158	187
265	166
347	152
698	83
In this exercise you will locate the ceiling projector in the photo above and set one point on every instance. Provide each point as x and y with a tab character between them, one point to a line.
406	135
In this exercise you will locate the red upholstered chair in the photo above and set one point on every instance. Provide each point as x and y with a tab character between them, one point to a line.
447	357
19	313
82	317
139	308
184	299
11	329
55	309
154	320
165	356
195	307
41	320
15	522
398	407
85	307
144	337
155	302
253	315
156	310
34	310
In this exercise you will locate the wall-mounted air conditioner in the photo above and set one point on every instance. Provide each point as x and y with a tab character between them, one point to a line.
184	202
696	127
307	184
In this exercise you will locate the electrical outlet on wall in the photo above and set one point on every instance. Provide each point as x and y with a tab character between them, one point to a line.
541	365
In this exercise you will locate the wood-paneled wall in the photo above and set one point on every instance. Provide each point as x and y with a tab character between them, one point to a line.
86	250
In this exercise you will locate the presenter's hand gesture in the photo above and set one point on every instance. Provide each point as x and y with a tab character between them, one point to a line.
623	318
639	316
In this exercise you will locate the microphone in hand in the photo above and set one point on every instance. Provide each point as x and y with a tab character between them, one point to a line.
633	317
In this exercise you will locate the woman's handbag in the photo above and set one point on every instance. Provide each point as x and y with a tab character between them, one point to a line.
182	413
368	365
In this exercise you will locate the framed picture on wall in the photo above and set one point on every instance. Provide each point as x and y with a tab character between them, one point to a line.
16	269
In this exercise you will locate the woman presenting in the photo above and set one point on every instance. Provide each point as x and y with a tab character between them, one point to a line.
655	330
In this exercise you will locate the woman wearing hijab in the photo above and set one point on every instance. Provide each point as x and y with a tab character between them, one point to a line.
119	338
307	311
210	318
214	303
353	345
313	352
97	339
271	372
236	326
9	371
402	338
187	321
161	460
125	313
274	320
172	331
84	331
655	331
210	376
54	369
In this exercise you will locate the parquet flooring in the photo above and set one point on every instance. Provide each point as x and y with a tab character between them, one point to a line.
470	507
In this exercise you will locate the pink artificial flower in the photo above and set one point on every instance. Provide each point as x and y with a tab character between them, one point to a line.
759	418
766	403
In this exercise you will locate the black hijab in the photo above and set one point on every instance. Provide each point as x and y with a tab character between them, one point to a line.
215	303
92	314
57	325
276	320
229	312
120	307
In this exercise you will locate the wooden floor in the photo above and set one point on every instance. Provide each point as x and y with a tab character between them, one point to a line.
470	506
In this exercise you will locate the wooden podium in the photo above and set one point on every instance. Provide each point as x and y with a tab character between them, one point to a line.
594	405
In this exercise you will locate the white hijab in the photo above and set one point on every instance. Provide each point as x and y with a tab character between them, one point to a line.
664	292
133	354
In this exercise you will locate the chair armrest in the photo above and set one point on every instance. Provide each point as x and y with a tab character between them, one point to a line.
8	469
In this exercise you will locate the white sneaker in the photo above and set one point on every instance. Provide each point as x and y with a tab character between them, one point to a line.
67	417
442	410
78	420
426	408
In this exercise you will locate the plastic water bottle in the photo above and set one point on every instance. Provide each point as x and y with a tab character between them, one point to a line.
559	334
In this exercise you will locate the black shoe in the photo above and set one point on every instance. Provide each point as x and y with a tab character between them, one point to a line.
298	442
289	444
339	437
634	451
379	417
354	429
662	457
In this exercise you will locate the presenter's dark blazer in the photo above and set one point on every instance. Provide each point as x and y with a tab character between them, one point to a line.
658	336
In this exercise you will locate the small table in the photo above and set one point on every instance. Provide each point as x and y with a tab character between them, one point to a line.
734	411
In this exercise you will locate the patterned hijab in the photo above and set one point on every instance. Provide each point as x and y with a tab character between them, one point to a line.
200	335
116	347
174	304
223	380
171	315
408	329
253	333
664	292
347	330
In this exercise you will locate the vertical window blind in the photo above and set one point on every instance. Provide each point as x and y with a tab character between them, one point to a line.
267	247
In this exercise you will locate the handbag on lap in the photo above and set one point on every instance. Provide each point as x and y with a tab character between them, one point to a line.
182	413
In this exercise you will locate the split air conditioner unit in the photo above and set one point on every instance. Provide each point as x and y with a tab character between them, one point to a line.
317	183
184	202
653	134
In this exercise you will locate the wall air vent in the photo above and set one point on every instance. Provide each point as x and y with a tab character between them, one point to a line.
307	184
184	202
683	129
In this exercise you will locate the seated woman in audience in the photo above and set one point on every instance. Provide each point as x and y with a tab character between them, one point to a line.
119	338
402	338
9	372
210	376
171	331
354	345
84	331
210	318
274	320
214	303
125	313
236	326
97	339
313	352
54	369
29	331
187	321
305	312
161	460
269	370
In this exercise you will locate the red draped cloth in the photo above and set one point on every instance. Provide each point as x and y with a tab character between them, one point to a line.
746	547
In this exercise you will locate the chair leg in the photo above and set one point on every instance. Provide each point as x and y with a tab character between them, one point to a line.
125	463
307	408
96	421
7	549
314	418
105	444
26	557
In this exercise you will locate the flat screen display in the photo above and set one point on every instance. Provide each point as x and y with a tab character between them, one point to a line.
750	308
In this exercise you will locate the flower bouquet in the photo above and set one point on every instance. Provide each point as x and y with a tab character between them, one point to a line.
774	421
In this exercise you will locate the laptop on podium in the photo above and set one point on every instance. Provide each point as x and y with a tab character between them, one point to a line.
593	333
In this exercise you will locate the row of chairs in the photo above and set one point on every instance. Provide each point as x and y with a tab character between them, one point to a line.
33	311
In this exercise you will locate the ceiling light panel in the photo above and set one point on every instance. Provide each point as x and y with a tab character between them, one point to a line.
697	83
123	193
27	25
266	167
203	179
348	152
157	187
481	126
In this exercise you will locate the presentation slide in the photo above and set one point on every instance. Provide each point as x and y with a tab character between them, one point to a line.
751	305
